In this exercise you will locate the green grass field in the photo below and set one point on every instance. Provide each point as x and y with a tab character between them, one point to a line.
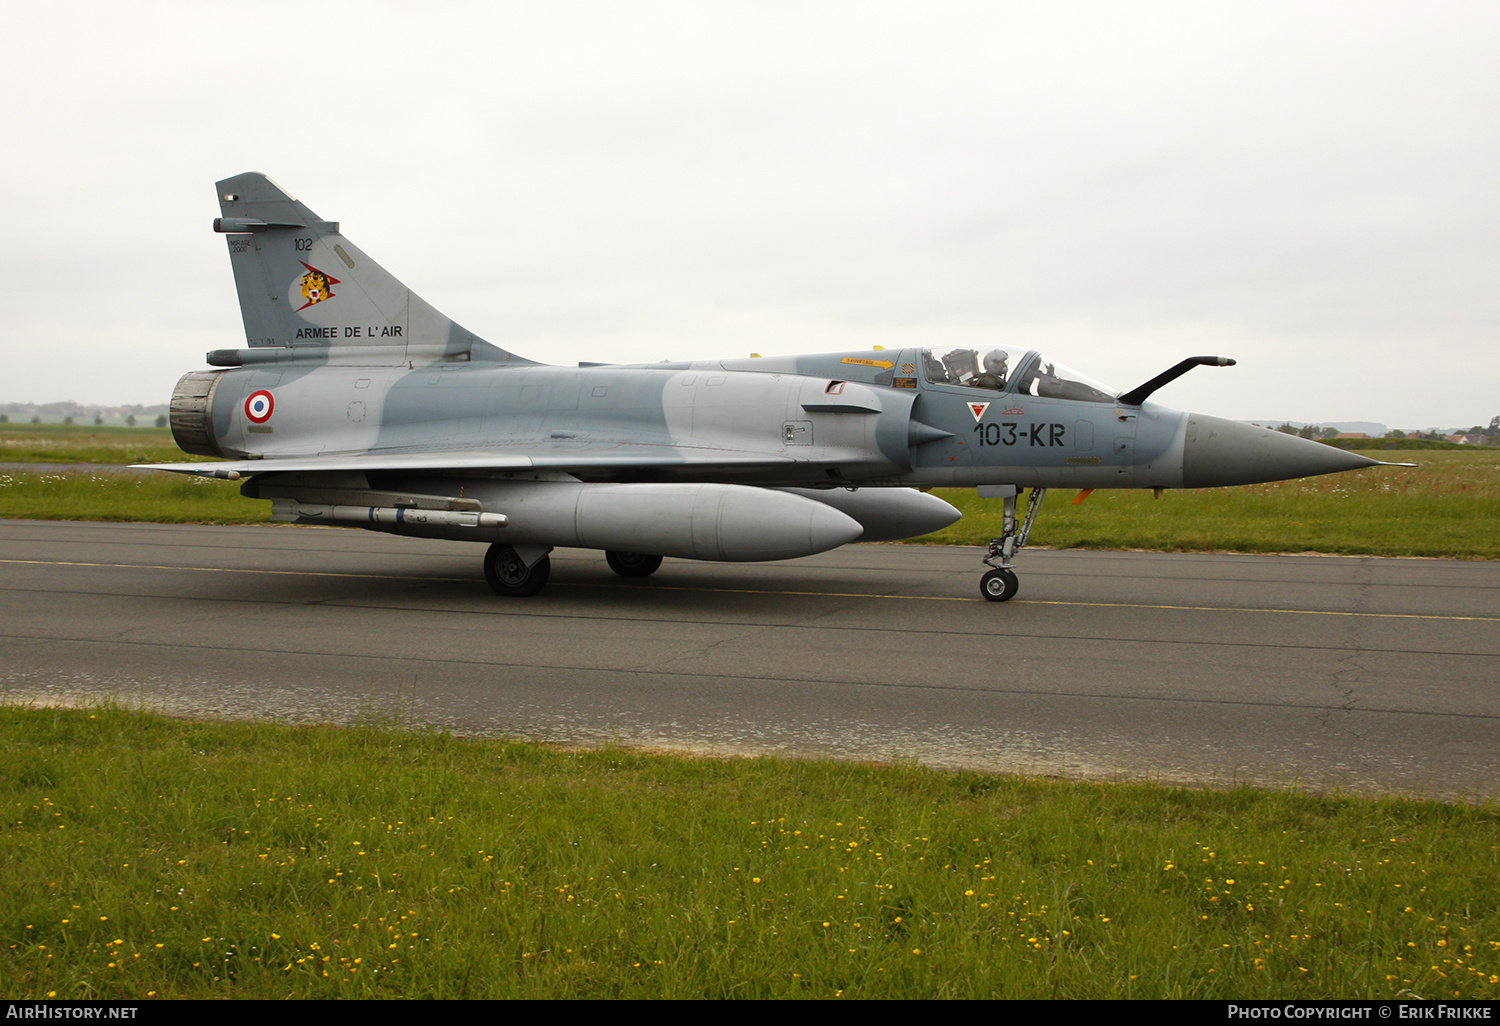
55	443
153	498
146	857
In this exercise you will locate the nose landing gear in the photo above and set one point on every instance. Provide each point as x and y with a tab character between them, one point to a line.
1000	584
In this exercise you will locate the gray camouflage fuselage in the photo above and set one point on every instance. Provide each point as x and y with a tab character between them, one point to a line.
353	393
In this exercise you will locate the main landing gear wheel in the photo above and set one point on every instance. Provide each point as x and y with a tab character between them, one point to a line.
509	575
999	585
631	564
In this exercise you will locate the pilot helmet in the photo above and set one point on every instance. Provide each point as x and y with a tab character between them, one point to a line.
995	361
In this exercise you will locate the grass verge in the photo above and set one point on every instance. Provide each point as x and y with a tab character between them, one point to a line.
147	857
54	443
144	497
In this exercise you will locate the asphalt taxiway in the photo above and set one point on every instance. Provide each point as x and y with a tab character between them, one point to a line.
1371	674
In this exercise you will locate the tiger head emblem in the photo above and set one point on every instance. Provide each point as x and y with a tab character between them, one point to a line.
316	286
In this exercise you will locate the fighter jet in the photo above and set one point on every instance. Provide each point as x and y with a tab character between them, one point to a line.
355	402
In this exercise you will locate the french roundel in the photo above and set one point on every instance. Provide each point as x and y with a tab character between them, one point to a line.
259	406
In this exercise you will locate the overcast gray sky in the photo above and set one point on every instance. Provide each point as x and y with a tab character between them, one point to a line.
1312	188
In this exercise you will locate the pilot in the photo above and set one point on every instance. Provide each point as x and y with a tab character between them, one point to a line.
996	370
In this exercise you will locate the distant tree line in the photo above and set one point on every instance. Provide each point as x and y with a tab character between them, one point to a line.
1490	434
1308	431
130	420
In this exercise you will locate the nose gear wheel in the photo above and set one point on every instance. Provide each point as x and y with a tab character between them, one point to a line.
999	585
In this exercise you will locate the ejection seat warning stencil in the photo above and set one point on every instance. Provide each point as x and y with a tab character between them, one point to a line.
978	410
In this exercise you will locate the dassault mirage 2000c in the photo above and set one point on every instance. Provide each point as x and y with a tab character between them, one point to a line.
357	403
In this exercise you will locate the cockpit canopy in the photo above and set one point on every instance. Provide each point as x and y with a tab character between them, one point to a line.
1008	369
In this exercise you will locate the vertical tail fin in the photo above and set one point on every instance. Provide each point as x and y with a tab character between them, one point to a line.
301	283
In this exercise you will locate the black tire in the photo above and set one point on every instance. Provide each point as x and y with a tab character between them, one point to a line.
631	564
512	578
999	585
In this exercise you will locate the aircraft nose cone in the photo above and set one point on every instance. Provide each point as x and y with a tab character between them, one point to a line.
1222	452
